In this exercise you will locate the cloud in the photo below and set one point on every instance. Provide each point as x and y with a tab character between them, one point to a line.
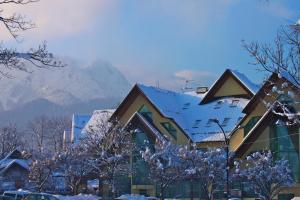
193	75
60	18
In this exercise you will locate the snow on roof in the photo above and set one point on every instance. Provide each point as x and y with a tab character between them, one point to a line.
157	134
246	81
193	118
97	117
7	162
78	123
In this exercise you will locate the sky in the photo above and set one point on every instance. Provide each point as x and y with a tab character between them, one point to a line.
154	42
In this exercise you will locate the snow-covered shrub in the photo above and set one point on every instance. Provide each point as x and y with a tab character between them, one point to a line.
265	175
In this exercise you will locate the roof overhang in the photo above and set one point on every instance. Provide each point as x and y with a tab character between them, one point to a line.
138	121
133	94
217	85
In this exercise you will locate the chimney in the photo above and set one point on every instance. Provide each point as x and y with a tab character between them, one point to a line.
201	90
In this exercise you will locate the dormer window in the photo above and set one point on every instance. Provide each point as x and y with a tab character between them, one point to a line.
197	123
218	104
209	123
186	106
225	121
146	113
234	102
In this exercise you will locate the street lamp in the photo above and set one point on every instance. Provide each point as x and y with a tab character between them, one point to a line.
226	139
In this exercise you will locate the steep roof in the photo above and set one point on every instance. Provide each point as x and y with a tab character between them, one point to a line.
13	158
78	123
97	117
253	87
195	119
267	86
248	86
267	119
138	121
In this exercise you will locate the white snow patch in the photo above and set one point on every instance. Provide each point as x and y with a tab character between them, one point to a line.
79	197
132	197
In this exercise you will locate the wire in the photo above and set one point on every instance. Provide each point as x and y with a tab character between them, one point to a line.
275	138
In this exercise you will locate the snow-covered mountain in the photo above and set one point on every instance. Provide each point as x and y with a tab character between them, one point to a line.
70	88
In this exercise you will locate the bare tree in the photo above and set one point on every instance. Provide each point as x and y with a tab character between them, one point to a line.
41	169
57	126
282	57
12	59
75	163
9	140
45	134
39	132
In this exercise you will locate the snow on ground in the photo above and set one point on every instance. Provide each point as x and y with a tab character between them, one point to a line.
79	197
93	197
132	197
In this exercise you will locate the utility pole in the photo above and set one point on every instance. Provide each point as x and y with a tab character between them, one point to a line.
226	140
227	156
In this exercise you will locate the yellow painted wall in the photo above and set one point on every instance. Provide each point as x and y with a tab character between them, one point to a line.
206	145
237	137
262	143
157	119
230	88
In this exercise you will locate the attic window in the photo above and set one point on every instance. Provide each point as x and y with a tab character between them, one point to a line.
234	102
197	123
218	104
209	123
225	121
186	106
170	128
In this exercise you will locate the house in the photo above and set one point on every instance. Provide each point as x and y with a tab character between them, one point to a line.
183	118
98	117
265	130
14	170
78	123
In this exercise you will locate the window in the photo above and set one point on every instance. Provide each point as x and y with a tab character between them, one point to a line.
218	104
197	123
170	128
186	106
209	123
251	124
146	113
284	142
234	103
225	121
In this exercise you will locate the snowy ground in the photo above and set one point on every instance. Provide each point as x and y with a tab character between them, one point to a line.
79	197
93	197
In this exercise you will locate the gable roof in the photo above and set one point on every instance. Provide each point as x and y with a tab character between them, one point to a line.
98	116
138	121
78	123
267	87
184	110
255	132
249	87
13	158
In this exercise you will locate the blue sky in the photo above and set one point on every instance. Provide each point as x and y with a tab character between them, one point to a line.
166	41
